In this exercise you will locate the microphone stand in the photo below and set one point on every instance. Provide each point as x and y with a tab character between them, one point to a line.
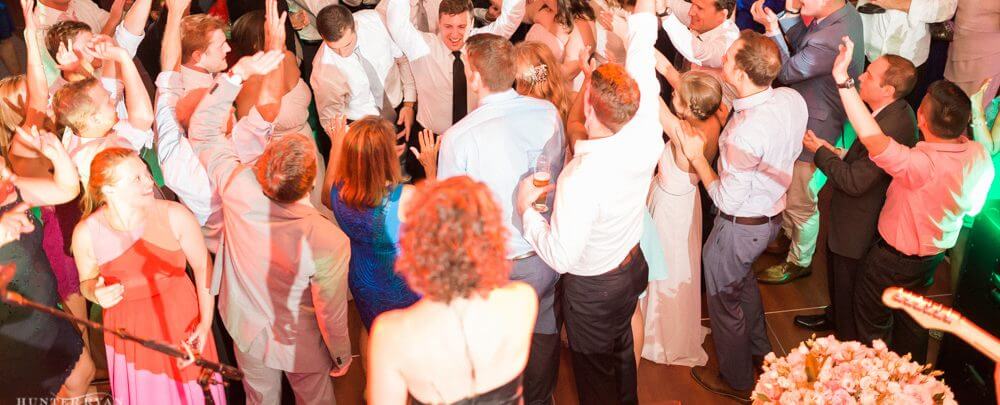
207	367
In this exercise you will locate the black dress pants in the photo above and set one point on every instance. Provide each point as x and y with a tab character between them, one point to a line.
842	275
598	312
885	267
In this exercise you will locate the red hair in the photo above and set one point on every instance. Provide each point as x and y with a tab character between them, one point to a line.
454	243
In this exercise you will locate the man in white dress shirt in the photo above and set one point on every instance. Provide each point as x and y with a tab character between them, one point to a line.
359	70
757	150
702	30
436	59
597	216
903	29
490	147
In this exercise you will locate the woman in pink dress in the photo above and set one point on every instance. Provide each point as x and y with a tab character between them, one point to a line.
131	250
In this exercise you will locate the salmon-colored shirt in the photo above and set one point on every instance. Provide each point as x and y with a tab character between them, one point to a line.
934	186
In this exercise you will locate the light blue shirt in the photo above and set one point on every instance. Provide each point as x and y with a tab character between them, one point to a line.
492	145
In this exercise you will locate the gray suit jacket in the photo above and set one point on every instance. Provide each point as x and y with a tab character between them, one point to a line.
807	61
859	186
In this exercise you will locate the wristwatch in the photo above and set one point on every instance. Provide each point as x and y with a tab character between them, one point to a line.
847	84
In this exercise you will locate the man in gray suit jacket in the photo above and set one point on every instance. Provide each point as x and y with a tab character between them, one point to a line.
807	55
859	188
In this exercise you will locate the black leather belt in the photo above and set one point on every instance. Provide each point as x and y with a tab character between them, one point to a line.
748	220
885	245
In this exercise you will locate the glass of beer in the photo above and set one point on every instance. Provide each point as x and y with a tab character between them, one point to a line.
541	178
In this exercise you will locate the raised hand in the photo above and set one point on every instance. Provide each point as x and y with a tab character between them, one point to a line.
30	20
428	152
843	61
177	5
103	47
765	16
274	27
260	63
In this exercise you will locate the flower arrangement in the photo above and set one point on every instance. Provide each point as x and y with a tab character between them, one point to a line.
828	371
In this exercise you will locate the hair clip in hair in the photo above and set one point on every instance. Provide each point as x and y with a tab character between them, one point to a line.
538	74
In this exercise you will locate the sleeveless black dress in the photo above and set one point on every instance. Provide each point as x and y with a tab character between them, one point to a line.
37	350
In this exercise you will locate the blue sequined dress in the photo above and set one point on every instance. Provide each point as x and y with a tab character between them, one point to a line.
374	234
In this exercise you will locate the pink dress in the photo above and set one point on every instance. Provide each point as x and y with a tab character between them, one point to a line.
160	303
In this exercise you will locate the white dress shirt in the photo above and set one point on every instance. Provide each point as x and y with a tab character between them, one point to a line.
430	7
431	61
902	33
282	267
601	197
757	150
341	85
182	171
488	146
704	49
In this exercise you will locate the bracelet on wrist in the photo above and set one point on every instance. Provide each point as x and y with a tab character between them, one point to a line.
794	12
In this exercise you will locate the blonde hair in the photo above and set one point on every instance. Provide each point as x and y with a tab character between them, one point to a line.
538	75
11	117
701	93
102	173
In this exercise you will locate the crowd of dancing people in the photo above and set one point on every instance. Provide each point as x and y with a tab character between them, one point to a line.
489	185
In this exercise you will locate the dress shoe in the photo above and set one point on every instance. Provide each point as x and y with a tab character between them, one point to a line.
783	273
814	322
711	380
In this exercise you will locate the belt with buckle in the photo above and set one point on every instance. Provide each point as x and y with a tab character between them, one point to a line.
747	220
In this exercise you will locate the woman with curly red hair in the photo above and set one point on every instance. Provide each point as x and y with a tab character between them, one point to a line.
468	338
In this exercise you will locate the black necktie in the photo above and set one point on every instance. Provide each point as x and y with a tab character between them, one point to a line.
459	98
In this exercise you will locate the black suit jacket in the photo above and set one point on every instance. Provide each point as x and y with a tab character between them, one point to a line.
859	185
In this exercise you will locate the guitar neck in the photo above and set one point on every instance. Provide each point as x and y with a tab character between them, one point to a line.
979	338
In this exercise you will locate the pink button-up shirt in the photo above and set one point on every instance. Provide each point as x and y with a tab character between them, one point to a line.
934	186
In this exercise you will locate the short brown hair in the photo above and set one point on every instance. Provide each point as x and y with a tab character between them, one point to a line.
728	5
948	109
454	243
492	56
701	93
758	57
614	95
367	162
196	32
901	75
61	32
333	21
287	168
73	105
453	7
